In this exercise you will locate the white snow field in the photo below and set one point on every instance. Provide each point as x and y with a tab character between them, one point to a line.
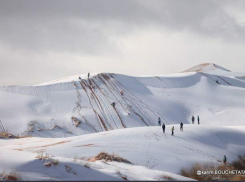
154	155
73	120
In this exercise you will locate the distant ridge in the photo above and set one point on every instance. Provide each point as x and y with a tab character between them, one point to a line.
206	67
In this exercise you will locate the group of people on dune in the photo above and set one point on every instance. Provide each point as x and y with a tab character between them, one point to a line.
181	124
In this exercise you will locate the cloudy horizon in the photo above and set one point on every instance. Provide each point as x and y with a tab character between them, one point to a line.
45	40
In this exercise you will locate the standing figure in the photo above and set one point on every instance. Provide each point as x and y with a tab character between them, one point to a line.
113	104
224	160
173	130
198	119
121	93
159	121
181	126
163	127
88	75
193	119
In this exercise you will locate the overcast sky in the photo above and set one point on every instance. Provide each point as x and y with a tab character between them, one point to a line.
49	39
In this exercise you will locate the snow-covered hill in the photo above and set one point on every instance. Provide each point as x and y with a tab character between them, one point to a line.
208	68
154	155
46	110
73	119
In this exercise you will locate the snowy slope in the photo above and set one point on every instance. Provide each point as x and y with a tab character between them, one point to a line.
73	120
208	68
46	110
153	154
214	69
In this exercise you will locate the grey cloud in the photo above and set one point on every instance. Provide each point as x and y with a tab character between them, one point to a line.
206	18
59	35
93	9
94	28
86	26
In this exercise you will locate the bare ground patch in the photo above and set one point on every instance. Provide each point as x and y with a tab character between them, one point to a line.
108	158
87	145
11	176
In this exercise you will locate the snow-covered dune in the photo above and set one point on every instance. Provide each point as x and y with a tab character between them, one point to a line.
154	155
73	119
46	110
208	68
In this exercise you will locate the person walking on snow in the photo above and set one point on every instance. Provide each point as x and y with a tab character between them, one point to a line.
113	104
163	127
224	160
198	120
173	130
159	121
181	126
193	119
121	93
88	75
